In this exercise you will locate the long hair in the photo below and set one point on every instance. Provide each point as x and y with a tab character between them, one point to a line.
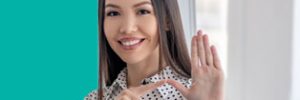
172	50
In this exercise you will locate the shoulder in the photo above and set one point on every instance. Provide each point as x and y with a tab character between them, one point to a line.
107	90
93	95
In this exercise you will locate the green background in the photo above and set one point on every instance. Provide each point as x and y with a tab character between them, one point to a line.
48	49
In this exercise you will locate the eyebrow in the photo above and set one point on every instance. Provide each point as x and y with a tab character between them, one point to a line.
136	5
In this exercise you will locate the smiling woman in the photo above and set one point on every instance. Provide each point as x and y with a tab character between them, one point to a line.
143	56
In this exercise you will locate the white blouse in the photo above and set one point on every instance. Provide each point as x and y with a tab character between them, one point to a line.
164	92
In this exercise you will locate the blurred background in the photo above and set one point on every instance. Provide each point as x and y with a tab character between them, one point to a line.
259	44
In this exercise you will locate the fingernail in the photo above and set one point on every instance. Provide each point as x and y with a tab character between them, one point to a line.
213	49
199	32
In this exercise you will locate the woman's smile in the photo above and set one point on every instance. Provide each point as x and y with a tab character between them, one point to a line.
130	43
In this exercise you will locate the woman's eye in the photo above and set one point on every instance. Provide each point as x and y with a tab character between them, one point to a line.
143	12
112	13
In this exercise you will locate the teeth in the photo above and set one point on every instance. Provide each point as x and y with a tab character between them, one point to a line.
130	43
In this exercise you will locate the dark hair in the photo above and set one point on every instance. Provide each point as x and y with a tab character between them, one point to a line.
172	50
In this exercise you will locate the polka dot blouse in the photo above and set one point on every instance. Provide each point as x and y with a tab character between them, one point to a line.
164	92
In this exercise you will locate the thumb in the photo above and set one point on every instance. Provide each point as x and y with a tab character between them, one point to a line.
178	86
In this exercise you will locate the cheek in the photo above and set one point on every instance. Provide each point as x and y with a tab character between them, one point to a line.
149	25
110	29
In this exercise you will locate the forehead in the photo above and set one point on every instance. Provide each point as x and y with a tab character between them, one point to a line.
126	3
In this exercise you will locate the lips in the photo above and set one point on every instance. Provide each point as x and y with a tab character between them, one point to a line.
130	43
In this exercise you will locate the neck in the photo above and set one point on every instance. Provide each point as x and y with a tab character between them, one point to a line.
146	68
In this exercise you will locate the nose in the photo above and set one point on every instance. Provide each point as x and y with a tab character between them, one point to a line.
129	24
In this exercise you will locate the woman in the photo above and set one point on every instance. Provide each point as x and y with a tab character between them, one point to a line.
143	54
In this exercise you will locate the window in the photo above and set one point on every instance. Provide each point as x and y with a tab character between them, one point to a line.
211	18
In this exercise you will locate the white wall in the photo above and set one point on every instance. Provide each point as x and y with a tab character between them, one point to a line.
260	46
296	52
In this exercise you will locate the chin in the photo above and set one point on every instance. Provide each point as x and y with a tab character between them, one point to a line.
132	60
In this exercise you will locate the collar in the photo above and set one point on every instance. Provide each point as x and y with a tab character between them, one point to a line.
120	81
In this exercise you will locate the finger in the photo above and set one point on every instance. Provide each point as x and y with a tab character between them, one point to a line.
148	88
127	95
216	59
123	97
209	59
194	55
201	51
179	87
195	62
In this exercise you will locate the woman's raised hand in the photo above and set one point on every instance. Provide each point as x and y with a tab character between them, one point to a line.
207	74
134	93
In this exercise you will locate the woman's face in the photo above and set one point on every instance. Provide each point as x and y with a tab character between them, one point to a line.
131	29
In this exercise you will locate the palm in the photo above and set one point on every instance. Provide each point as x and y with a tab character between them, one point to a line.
207	75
